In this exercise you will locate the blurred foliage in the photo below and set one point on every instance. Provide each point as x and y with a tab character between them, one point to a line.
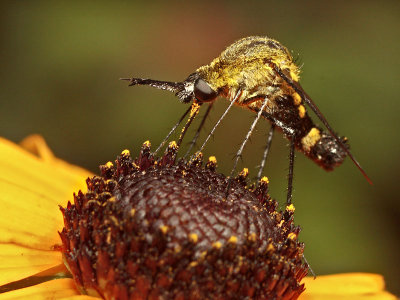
59	78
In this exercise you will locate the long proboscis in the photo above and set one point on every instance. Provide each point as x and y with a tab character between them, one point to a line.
159	84
296	86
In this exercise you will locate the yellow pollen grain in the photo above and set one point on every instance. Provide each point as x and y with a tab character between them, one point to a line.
252	237
302	111
126	152
270	247
264	180
217	245
281	223
109	165
193	237
173	145
132	212
233	239
292	236
164	228
212	159
147	144
245	172
296	99
195	109
193	264
112	199
312	137
290	208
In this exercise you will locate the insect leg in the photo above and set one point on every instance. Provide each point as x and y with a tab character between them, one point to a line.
290	175
265	154
196	136
194	110
172	130
239	153
220	119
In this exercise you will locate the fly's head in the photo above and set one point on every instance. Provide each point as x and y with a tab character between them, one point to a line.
195	88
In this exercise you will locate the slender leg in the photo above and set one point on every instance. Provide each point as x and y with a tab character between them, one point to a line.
266	150
172	130
246	139
290	175
220	119
196	136
195	108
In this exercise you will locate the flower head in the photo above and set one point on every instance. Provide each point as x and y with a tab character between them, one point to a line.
151	228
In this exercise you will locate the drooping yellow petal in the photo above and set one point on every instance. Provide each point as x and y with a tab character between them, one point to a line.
346	286
36	145
54	289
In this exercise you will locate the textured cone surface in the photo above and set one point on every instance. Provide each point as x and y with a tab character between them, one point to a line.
149	229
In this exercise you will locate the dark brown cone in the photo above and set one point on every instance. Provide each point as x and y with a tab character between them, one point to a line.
148	229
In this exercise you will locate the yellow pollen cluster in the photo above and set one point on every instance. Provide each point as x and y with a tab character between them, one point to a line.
217	245
193	237
195	109
164	228
173	145
244	172
233	239
212	159
292	236
147	144
265	179
290	208
109	164
126	152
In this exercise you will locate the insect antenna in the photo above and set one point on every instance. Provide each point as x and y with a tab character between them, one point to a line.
266	151
172	130
246	139
196	136
162	85
315	109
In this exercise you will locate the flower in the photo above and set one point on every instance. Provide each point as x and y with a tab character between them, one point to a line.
33	183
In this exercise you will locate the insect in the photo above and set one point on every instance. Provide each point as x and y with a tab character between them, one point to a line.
259	73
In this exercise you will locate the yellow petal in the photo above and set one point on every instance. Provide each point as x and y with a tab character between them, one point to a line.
31	191
18	262
54	289
346	286
32	186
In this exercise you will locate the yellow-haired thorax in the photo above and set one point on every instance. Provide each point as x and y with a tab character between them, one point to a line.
245	65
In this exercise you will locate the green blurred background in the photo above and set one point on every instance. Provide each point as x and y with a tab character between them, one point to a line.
60	65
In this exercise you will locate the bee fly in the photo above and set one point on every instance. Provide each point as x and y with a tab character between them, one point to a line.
259	73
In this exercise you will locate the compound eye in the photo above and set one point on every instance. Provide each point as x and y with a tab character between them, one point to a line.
203	92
